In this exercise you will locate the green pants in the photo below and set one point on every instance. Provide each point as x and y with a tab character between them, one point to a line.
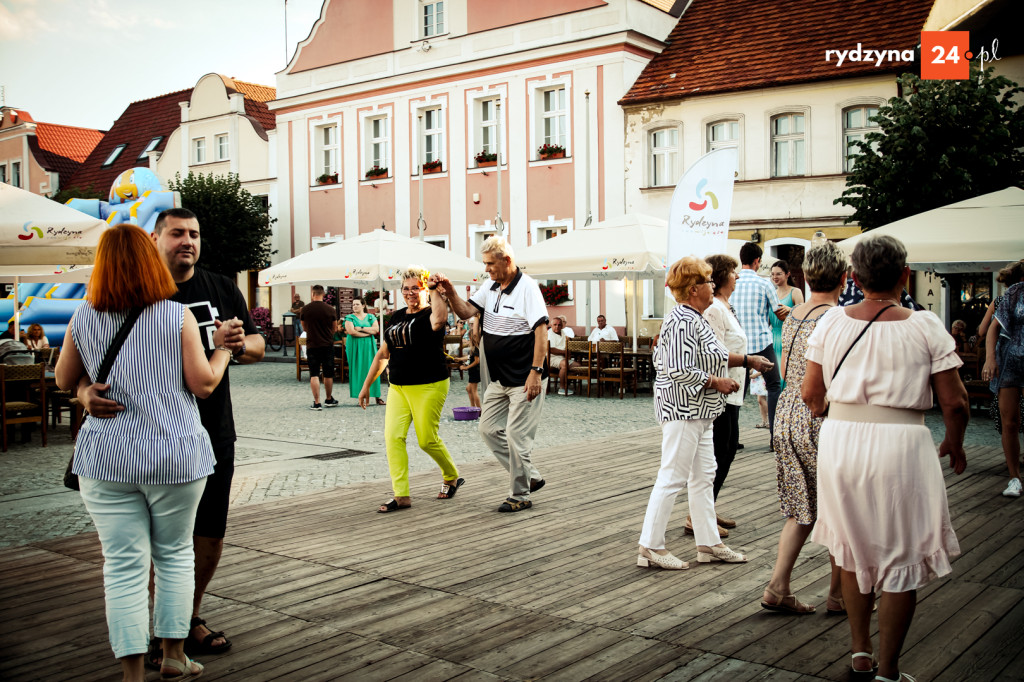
420	404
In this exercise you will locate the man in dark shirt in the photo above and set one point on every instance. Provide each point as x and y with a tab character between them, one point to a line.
320	321
213	299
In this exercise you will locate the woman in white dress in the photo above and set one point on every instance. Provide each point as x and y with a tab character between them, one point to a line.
882	509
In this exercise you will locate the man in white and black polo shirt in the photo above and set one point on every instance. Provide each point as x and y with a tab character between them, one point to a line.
515	332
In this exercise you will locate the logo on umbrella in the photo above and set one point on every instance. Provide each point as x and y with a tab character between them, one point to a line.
700	192
31	231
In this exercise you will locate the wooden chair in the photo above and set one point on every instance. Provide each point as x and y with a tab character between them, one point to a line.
451	340
581	353
613	368
340	362
300	362
30	383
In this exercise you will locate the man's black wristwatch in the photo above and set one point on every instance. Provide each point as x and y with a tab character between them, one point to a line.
240	352
538	370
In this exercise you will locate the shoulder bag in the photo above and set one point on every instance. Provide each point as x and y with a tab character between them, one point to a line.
71	479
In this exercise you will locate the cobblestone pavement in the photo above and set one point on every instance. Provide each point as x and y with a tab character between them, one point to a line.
280	440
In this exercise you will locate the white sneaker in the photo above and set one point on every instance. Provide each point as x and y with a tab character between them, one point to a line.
570	392
1013	489
561	391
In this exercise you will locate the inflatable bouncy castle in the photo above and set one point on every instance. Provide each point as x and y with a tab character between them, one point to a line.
136	197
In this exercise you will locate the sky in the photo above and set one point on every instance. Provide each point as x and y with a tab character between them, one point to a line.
82	62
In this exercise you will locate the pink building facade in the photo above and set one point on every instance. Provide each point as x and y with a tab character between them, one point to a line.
379	91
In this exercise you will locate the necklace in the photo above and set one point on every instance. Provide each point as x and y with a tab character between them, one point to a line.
885	300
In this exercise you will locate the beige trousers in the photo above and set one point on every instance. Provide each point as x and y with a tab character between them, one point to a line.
508	423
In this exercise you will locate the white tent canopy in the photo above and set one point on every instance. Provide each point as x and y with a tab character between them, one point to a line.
35	230
975	235
371	261
38	273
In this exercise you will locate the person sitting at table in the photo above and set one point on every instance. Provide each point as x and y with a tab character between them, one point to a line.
36	338
602	332
558	335
958	331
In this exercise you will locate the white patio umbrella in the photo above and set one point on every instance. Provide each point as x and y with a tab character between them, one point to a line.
979	234
40	240
371	261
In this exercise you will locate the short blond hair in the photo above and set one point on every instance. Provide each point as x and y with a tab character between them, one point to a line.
499	246
412	272
685	273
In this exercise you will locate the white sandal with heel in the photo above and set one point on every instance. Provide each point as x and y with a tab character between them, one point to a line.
721	554
648	559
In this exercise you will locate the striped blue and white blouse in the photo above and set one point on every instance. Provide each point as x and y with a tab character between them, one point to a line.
158	438
686	355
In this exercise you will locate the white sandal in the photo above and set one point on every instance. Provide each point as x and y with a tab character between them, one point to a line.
864	654
903	676
721	554
183	671
649	559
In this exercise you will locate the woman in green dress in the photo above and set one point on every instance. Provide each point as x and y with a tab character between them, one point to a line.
789	296
360	347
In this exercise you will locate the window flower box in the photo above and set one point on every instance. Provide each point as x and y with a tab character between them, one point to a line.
486	159
377	172
432	167
326	179
555	294
551	151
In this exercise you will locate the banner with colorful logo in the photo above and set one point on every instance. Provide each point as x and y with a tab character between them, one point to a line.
698	218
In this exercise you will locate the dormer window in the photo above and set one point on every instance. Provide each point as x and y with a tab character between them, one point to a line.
150	147
113	155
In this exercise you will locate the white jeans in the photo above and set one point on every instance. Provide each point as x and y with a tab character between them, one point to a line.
136	524
687	458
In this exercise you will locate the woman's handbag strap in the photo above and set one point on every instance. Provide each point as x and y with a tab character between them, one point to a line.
792	343
862	332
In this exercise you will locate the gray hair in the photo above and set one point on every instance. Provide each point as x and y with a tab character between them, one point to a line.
878	262
412	272
824	267
564	319
499	246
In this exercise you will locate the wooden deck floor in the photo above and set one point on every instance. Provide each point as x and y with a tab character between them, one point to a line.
320	587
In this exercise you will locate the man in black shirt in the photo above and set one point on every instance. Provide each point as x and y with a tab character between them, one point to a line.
320	321
214	300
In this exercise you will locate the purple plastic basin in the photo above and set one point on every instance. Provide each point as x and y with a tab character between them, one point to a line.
466	414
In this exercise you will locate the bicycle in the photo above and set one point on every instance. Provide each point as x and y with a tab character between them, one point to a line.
273	339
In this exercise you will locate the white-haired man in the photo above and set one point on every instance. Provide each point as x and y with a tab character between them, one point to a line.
558	335
515	333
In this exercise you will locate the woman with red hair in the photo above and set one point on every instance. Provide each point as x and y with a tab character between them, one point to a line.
143	471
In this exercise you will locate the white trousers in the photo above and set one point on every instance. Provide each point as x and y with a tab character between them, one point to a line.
687	459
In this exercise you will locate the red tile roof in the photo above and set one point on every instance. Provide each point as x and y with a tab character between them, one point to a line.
724	45
63	148
136	127
256	98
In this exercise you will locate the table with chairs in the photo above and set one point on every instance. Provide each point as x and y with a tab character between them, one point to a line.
23	397
607	364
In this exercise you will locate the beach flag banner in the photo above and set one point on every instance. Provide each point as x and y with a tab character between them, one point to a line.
698	218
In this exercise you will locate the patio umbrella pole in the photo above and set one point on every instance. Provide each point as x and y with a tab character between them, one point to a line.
636	320
17	312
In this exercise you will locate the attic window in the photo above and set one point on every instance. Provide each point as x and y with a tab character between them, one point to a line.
150	147
114	154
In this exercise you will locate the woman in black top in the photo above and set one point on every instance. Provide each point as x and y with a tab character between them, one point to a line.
418	374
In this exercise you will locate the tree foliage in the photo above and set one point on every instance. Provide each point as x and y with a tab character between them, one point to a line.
234	225
943	141
90	192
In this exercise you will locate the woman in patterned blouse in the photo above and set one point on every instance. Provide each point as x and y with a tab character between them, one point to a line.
689	393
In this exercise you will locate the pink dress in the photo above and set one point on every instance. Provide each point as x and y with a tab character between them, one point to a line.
882	509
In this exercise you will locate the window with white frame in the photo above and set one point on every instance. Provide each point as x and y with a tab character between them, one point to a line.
222	147
16	173
440	242
553	117
788	145
199	150
378	143
432	135
432	19
856	125
150	147
113	155
723	134
487	128
327	152
543	231
663	144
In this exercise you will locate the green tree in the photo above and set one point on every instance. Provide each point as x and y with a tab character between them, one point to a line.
235	225
90	192
943	141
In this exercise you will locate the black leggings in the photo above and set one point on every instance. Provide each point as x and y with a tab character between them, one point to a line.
727	438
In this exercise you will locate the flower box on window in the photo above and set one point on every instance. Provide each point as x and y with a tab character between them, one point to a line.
485	159
555	294
432	167
377	172
327	179
551	151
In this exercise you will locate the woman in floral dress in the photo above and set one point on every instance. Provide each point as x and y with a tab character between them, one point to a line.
796	433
